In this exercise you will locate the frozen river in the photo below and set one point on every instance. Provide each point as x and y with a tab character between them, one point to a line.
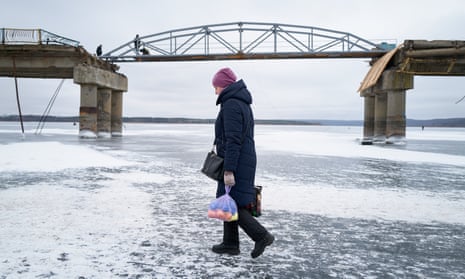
135	207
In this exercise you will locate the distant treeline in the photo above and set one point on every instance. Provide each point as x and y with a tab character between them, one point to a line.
173	120
210	121
444	122
36	118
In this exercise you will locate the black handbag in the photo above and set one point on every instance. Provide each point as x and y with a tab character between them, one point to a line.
213	166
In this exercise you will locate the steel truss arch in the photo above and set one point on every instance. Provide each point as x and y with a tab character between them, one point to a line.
246	40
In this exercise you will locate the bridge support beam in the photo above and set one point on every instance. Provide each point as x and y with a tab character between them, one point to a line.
395	118
104	112
384	117
369	118
117	113
380	117
88	111
101	101
395	84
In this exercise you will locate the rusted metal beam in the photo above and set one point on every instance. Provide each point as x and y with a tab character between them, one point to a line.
256	56
436	52
433	67
435	44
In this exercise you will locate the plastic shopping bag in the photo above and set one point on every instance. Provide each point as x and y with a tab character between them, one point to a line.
223	208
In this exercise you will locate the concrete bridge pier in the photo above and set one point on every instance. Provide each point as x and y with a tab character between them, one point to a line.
117	113
380	117
101	101
88	111
395	118
104	112
395	85
384	108
369	117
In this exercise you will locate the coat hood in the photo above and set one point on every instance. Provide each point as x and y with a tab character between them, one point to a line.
237	90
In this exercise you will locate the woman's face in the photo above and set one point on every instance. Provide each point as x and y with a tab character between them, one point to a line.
218	90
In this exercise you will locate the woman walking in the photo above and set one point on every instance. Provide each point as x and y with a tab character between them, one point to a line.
234	139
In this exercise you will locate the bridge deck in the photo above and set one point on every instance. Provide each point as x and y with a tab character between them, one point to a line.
46	61
432	58
242	56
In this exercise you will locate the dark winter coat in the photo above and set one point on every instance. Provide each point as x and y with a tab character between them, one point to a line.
234	139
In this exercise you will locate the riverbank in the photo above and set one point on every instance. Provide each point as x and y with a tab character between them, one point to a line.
443	122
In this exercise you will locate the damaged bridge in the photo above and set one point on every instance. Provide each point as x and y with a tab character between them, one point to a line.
41	54
36	53
390	76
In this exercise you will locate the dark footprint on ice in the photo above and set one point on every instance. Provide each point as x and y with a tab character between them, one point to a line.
63	257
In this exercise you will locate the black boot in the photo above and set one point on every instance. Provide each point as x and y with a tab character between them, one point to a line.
226	249
261	245
230	244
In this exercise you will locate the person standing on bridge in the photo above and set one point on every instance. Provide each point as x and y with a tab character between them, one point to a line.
99	50
234	140
137	43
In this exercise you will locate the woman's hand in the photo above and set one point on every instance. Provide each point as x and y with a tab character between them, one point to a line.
229	178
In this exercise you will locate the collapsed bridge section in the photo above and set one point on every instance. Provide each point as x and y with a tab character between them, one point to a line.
36	53
385	85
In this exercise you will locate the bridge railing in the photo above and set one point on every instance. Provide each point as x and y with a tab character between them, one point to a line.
242	38
11	36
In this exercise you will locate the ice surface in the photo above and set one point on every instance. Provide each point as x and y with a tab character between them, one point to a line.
50	225
344	145
52	156
377	204
136	207
389	204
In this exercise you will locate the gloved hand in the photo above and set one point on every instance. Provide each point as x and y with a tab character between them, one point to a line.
229	178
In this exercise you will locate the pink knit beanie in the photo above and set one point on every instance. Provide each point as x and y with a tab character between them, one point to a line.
223	78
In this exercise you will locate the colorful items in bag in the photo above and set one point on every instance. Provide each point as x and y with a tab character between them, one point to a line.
255	208
223	208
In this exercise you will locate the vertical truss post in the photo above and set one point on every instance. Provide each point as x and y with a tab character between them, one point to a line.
171	42
240	37
275	35
207	45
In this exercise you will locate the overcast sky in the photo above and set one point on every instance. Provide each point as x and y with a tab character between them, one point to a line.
282	89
